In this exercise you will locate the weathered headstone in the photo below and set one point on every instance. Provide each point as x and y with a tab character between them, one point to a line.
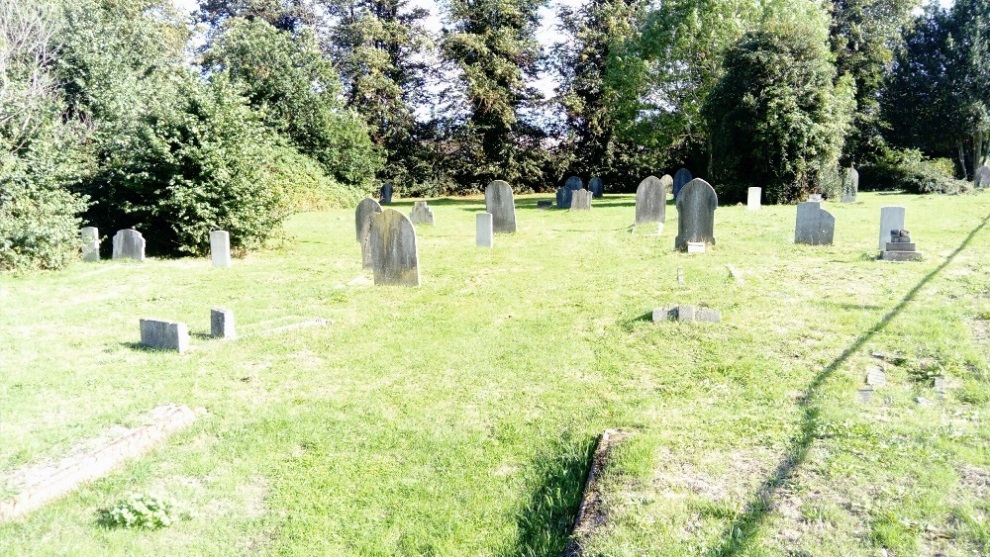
128	244
581	200
393	249
875	377
982	177
220	248
696	206
753	198
222	323
850	185
362	226
900	247
386	193
596	187
164	335
484	230
91	243
687	314
891	218
651	201
421	213
499	202
681	178
814	226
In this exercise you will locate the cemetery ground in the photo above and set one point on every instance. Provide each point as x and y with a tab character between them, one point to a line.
457	418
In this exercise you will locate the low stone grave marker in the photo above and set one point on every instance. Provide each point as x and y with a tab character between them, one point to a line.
484	230
875	377
544	204
164	335
900	247
220	248
222	323
91	243
128	244
394	257
686	314
814	226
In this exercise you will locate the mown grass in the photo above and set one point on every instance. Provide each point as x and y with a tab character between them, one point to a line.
457	418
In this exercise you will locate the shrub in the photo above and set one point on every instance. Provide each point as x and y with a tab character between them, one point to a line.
910	171
142	511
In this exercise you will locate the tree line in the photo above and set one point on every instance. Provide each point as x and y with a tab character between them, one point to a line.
119	113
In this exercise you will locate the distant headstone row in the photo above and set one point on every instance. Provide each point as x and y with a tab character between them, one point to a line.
130	244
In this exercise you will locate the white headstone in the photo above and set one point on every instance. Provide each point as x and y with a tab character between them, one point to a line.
891	218
91	243
753	198
421	214
128	244
220	248
581	200
485	230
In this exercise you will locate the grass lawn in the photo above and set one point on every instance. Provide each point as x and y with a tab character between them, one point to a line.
457	418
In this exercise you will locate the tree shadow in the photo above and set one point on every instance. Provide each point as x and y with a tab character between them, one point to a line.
738	535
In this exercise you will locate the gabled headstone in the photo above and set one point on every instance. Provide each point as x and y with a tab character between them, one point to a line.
421	214
651	201
91	243
850	185
362	227
220	248
982	178
681	178
128	244
499	202
753	198
596	187
393	249
814	226
164	335
696	204
386	193
484	230
891	218
581	200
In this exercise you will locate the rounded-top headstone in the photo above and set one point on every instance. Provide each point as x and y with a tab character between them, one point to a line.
362	217
128	244
393	249
574	183
386	192
696	206
499	202
682	177
596	187
651	199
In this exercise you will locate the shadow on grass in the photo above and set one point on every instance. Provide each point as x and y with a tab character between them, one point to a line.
741	532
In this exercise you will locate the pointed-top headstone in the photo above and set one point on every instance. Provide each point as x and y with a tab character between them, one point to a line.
596	187
393	249
681	178
696	204
386	193
651	200
499	202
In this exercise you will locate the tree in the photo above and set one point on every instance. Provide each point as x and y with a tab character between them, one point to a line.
287	15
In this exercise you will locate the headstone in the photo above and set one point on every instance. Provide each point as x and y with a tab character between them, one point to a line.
362	225
814	226
891	218
544	204
651	201
865	394
687	314
753	198
581	200
393	249
386	193
164	335
900	247
875	377
815	198
982	177
91	243
499	202
222	323
421	214
574	183
596	187
681	178
128	244
850	185
564	198
484	230
696	206
220	248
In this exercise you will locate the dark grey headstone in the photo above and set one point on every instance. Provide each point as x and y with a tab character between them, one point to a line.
681	178
393	249
499	202
814	226
91	243
574	183
421	214
164	335
544	204
850	185
220	248
581	200
222	323
696	206
362	226
564	198
651	200
982	177
596	187
386	193
128	244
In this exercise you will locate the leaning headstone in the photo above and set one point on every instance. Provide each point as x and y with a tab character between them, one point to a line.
753	197
681	178
581	200
696	206
814	226
222	323
421	214
128	244
596	187
574	183
484	230
900	247
499	202
850	185
891	218
386	193
982	177
362	225
220	248
651	202
393	249
164	335
91	243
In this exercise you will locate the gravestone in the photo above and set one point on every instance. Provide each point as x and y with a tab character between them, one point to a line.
891	218
393	249
875	377
128	244
564	198
386	193
681	178
651	201
91	243
574	183
362	226
815	198
222	323
696	206
499	202
421	213
220	248
164	335
581	200
982	177
544	204
596	187
814	226
484	226
850	185
753	198
900	247
687	314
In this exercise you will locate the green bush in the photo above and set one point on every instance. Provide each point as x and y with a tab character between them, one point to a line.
910	171
142	511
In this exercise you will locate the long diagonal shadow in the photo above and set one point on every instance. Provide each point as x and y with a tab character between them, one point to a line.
741	532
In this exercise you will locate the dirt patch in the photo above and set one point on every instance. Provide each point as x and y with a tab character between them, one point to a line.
592	513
